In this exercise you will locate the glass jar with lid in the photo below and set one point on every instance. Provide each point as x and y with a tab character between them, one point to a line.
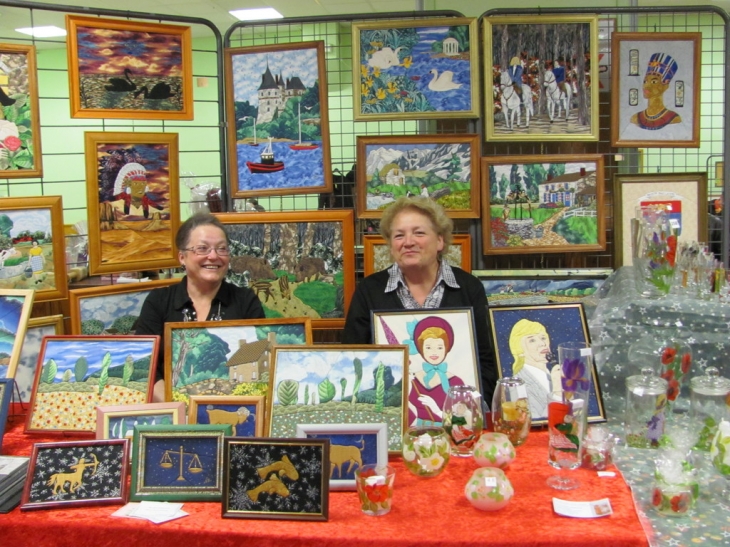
646	400
709	397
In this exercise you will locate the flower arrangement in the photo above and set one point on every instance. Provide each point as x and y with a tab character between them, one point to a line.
656	258
426	451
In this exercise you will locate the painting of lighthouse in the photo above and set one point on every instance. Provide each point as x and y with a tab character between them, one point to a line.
276	98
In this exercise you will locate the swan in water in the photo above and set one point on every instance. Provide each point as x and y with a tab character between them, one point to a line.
443	82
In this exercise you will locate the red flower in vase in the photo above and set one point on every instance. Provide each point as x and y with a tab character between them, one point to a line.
680	503
377	493
673	390
672	252
668	356
686	362
656	498
668	375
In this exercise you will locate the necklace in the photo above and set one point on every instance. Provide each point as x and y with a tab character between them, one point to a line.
655	116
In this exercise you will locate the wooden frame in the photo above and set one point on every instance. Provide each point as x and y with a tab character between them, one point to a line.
134	208
178	462
297	372
20	149
459	354
38	327
553	324
111	420
670	63
15	308
243	368
518	41
324	241
125	366
376	253
351	447
719	174
390	84
443	167
32	221
301	149
517	287
6	393
110	309
76	473
294	486
686	192
245	415
150	65
558	186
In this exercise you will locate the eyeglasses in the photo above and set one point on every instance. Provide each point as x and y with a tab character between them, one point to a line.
204	250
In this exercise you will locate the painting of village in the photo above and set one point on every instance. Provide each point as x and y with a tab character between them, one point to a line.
277	96
338	385
543	204
78	373
230	358
297	269
443	168
426	71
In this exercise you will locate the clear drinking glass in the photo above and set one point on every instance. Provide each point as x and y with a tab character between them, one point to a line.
463	419
511	410
567	413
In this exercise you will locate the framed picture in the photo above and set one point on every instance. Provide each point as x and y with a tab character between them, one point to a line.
20	149
279	141
129	69
719	174
543	204
683	194
422	69
606	28
119	421
76	473
338	384
178	462
33	256
276	479
245	415
15	308
541	81
299	263
442	167
655	92
132	197
513	287
376	253
230	358
110	309
442	338
38	327
6	393
351	447
75	374
525	340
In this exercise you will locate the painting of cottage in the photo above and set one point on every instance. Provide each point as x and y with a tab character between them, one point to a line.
543	204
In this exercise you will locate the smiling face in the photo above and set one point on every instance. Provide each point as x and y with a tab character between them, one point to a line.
414	243
536	348
210	269
434	350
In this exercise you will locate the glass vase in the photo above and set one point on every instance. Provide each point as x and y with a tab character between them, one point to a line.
463	419
511	410
426	450
653	251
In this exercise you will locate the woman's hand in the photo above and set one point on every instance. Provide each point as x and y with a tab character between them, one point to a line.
429	403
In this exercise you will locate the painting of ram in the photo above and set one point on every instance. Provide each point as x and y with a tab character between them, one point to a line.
244	414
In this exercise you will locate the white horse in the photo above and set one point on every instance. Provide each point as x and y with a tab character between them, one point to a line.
557	96
511	101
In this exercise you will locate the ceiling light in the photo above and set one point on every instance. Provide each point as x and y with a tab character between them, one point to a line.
256	14
42	32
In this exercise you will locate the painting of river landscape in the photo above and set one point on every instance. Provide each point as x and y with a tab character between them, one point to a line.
15	307
78	373
411	72
276	96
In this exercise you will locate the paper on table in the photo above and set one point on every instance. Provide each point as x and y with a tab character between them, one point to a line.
154	511
583	509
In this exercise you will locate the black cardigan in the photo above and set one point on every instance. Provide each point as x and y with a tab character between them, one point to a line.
370	296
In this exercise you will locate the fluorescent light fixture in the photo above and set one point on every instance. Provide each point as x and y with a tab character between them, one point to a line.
42	32
256	14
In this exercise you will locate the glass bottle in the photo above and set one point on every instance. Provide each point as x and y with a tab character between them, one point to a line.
511	410
646	400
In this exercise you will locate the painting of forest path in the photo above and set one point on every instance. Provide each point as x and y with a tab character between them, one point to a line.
543	204
79	373
227	358
337	385
296	265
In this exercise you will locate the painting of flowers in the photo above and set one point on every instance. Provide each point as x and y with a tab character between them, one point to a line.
15	307
276	97
426	70
20	143
129	70
76	374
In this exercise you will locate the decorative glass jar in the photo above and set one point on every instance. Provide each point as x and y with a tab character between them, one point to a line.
709	397
646	400
426	450
511	409
489	489
494	450
463	418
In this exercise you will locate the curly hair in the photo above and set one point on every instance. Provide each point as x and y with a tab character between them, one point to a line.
441	223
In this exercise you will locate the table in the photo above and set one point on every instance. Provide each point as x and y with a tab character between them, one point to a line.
426	512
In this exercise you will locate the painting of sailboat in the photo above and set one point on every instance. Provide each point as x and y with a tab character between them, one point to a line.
279	144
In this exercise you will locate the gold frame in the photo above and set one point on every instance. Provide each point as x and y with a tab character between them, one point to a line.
258	401
138	32
373	244
103	413
156	253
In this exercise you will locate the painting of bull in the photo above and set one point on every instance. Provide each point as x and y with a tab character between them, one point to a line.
244	414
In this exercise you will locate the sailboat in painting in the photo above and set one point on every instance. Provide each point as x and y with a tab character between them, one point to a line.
267	164
300	145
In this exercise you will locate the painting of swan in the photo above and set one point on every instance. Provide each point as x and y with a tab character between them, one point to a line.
444	82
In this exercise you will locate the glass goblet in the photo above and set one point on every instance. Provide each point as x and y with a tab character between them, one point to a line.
567	421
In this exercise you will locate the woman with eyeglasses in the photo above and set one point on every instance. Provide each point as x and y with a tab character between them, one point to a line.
203	294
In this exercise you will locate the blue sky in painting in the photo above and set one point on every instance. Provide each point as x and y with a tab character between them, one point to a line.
29	219
66	352
11	308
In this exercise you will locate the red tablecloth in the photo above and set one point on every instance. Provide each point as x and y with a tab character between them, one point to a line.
425	512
